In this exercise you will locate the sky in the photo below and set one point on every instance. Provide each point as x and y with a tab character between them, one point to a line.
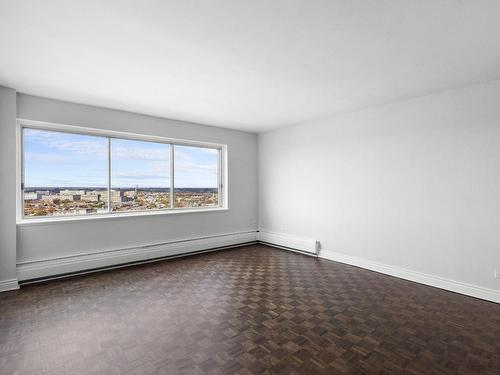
55	159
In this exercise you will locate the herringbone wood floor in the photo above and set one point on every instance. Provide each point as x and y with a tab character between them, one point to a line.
251	310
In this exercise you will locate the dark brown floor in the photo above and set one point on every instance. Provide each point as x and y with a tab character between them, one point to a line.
251	310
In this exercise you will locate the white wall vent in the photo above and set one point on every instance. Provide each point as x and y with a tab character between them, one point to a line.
306	245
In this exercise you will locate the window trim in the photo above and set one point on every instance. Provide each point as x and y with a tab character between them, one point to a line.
109	134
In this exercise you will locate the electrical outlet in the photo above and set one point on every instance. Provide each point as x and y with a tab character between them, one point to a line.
497	274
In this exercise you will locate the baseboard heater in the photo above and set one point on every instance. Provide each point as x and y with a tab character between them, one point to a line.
39	271
67	275
303	245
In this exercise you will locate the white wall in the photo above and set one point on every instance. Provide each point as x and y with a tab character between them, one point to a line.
8	189
414	184
53	240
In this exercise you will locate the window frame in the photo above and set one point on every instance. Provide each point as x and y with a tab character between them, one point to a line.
109	135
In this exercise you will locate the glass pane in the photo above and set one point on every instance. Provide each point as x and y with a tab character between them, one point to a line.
64	173
196	176
140	175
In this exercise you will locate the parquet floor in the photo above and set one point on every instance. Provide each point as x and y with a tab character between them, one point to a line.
251	310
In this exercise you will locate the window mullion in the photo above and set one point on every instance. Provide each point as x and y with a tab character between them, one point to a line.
22	170
109	175
171	176
219	178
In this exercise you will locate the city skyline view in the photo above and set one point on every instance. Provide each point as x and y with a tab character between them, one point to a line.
83	201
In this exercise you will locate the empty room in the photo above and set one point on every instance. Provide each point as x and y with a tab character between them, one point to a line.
249	187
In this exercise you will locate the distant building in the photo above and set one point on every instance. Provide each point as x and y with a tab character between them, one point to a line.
49	197
73	192
92	197
31	196
69	197
117	196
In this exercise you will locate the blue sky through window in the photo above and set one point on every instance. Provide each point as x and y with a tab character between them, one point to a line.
57	159
145	164
195	167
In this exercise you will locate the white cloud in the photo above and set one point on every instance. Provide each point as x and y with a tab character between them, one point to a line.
184	162
140	175
45	158
137	153
97	146
74	143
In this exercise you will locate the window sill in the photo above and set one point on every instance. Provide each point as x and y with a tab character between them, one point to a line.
114	216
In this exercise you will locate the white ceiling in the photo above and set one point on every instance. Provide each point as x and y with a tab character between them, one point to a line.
252	65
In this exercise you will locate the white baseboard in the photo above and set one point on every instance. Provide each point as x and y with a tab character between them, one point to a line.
422	278
110	258
10	284
292	242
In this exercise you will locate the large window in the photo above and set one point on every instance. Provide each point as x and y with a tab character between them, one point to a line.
68	173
